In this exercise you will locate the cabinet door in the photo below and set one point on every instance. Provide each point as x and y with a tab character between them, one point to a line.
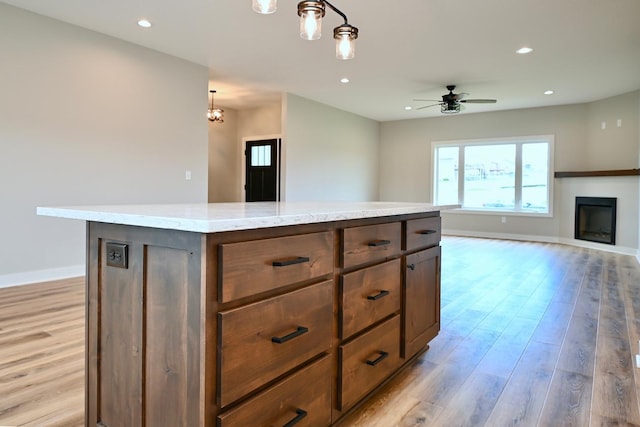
421	316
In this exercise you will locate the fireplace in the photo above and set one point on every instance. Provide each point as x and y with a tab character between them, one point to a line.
596	219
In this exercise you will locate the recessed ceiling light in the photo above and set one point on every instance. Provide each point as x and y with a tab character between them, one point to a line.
344	80
144	23
524	50
548	92
407	108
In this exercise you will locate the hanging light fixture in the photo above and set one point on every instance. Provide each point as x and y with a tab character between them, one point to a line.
215	114
311	14
265	7
345	36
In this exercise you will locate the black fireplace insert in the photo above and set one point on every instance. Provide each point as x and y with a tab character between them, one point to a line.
596	219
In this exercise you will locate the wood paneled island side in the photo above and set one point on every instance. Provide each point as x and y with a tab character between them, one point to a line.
253	314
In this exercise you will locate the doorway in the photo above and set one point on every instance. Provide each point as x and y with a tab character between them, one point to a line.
262	170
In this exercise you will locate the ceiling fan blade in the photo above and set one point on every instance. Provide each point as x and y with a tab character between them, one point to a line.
479	101
427	106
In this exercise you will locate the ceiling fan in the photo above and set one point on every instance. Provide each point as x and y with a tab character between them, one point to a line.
451	102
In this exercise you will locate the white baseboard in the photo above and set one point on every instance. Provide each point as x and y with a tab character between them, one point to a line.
28	277
601	247
546	239
502	236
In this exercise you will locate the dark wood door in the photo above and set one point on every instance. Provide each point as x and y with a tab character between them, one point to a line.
261	166
422	300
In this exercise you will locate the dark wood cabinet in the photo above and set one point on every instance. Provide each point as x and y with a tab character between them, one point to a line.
421	315
232	328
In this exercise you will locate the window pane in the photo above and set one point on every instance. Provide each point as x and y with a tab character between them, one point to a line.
446	189
534	177
489	176
261	155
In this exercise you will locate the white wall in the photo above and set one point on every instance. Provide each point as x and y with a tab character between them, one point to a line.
264	120
223	158
580	144
625	189
88	119
329	154
614	147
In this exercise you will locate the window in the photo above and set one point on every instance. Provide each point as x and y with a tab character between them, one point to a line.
503	175
261	155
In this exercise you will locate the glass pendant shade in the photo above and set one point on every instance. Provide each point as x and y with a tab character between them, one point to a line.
215	115
450	109
265	7
345	36
311	14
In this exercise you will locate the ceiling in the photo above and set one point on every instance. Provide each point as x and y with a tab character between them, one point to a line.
584	50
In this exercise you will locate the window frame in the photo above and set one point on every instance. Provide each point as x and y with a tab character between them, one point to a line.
519	141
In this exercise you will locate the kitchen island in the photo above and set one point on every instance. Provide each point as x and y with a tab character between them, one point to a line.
254	314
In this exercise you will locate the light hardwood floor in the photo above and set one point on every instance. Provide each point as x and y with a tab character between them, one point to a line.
532	335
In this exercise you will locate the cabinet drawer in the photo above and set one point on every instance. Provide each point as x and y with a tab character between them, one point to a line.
369	243
289	400
261	341
369	295
422	233
248	268
366	361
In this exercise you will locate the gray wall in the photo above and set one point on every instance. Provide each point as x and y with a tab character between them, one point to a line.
88	119
329	154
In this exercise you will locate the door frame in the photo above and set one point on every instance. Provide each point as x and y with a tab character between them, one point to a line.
279	165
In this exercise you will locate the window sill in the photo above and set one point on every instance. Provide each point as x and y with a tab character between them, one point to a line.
499	213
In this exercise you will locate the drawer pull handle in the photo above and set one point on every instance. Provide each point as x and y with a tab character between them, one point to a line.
411	267
427	231
290	261
383	355
378	295
299	331
379	243
300	414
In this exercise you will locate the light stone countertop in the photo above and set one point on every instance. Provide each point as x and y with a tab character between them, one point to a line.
218	217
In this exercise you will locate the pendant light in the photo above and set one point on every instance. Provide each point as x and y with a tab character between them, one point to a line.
215	114
311	14
265	7
345	36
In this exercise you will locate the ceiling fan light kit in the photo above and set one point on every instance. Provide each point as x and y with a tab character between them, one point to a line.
450	109
451	102
311	14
